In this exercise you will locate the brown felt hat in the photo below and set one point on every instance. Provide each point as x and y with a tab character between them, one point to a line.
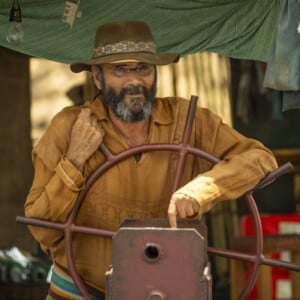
124	41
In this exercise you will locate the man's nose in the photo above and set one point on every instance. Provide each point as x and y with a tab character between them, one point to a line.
134	78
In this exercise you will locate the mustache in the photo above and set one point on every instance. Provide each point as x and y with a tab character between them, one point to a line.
135	90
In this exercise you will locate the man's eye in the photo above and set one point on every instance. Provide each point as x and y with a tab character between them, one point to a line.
142	68
120	69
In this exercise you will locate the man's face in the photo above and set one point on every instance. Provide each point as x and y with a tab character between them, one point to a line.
129	89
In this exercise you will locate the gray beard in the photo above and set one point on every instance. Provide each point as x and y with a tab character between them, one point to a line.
126	114
119	107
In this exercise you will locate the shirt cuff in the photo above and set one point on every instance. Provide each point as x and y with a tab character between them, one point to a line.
71	176
204	190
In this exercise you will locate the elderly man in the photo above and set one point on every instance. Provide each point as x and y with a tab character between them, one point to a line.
126	114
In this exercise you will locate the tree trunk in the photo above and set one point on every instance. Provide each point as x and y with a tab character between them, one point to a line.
15	147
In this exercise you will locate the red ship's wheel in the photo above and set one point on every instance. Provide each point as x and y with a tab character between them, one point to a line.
184	149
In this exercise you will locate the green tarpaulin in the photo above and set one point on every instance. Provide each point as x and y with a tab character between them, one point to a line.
236	28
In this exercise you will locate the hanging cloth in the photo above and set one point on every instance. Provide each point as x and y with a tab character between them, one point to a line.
283	68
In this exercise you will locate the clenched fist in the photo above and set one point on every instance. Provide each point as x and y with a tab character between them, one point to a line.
86	137
181	206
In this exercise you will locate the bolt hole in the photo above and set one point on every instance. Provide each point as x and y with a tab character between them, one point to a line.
152	252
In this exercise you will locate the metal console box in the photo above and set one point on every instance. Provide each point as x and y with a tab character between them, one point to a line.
159	263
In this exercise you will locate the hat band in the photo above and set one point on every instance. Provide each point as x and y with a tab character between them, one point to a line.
125	47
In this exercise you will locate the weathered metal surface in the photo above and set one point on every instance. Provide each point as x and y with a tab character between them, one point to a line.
158	263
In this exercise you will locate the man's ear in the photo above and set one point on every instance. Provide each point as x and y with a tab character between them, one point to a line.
95	74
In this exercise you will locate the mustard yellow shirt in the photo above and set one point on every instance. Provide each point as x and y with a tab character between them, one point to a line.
135	189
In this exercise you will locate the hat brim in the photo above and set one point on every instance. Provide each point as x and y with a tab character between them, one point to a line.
146	57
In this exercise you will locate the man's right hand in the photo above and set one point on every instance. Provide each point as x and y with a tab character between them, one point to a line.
86	137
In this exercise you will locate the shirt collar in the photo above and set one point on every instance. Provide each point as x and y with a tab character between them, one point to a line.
98	108
162	112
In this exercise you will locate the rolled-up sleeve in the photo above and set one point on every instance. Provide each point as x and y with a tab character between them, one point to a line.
56	183
243	163
70	175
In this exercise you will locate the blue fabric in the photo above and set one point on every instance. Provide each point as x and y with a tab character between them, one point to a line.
283	68
64	284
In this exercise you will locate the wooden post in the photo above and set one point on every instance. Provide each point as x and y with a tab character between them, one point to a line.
15	147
